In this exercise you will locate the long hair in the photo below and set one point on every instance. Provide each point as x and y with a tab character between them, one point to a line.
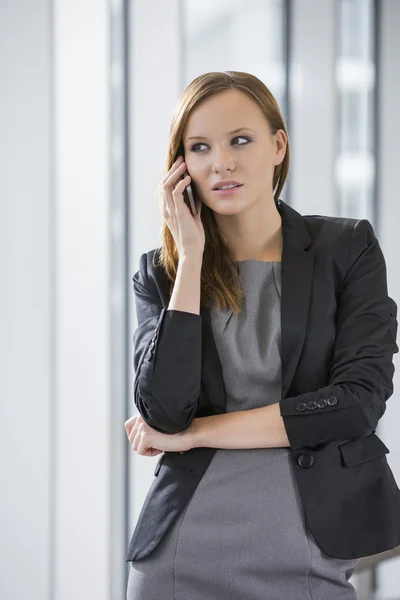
219	280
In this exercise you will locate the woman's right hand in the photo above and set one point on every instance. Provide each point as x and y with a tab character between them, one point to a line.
186	229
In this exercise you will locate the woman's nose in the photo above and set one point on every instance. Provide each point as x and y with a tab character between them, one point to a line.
223	159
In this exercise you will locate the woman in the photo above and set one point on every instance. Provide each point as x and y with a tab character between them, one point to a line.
263	360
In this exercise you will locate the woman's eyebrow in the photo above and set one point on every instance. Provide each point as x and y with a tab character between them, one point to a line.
199	137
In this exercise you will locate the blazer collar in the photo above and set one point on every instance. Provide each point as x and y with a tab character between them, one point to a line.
297	269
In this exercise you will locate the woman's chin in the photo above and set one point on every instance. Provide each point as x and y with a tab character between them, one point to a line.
227	206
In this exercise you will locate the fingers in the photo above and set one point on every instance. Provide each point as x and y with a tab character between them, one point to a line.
132	428
173	184
176	167
185	228
128	426
131	423
174	177
178	189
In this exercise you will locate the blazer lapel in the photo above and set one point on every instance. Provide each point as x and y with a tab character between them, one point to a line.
297	271
297	275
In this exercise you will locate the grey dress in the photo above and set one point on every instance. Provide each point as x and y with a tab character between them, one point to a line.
243	534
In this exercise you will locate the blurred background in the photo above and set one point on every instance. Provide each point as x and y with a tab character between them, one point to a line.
87	92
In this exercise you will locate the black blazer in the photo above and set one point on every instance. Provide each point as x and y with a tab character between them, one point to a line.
338	328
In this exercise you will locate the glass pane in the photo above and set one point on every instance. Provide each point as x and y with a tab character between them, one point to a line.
355	78
237	35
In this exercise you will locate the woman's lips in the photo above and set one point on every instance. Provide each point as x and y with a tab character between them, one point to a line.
227	192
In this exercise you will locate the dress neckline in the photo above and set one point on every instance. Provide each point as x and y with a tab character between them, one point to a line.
268	262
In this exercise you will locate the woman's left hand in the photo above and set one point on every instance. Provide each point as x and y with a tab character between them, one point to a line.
148	442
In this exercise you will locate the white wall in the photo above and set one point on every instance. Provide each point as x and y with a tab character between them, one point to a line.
27	302
83	519
56	408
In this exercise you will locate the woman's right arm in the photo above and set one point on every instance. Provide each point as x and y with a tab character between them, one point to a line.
167	349
167	356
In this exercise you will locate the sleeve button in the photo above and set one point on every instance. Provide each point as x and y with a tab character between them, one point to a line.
322	403
311	405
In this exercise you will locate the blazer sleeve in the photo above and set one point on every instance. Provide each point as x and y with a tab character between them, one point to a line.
362	369
167	359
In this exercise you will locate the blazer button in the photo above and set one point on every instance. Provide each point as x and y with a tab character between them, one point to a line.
332	400
305	460
148	355
322	403
311	405
300	407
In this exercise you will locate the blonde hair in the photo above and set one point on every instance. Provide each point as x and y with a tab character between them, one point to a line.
219	281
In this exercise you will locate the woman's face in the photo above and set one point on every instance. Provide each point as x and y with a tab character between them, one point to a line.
247	156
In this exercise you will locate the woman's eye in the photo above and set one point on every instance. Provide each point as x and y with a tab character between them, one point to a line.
193	148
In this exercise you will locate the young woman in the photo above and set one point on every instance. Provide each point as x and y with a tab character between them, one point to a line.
263	362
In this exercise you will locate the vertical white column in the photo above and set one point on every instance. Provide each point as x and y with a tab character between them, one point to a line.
83	406
312	107
26	301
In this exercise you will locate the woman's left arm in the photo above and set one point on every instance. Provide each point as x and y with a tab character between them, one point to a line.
254	428
361	377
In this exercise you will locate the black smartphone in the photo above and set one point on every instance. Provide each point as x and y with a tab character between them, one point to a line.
189	194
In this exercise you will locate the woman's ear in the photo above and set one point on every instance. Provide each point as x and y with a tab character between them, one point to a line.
281	144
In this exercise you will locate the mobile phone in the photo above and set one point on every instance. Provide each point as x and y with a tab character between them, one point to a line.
189	199
189	194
